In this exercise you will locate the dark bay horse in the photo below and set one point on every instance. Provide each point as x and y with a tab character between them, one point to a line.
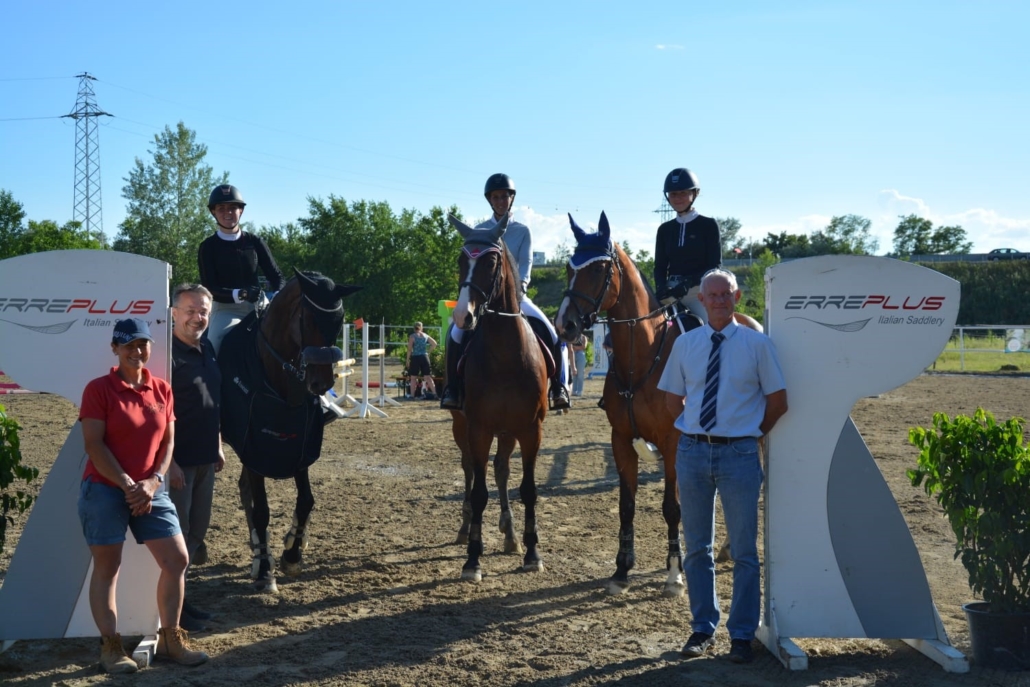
602	278
505	380
274	368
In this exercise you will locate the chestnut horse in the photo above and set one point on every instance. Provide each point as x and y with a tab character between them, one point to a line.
505	388
274	368
601	277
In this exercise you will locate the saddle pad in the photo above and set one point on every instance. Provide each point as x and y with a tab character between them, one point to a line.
271	438
544	348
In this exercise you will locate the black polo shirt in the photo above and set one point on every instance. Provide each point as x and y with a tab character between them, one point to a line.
197	389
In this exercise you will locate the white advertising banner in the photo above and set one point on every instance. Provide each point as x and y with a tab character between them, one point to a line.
840	561
57	314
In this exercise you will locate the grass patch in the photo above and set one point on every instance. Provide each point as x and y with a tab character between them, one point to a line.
981	351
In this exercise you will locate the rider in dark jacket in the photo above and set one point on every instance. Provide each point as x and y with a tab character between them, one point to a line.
686	247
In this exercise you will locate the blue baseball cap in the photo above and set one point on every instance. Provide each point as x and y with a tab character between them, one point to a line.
130	330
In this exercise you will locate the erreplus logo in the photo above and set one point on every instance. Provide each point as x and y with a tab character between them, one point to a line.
86	306
879	302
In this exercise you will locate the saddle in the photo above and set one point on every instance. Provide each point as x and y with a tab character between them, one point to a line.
272	437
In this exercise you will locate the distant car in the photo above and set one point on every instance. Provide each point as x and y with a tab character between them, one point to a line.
1007	254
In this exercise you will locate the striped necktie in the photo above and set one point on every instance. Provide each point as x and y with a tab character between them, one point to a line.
711	384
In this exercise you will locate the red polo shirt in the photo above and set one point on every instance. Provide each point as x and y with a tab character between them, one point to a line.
135	421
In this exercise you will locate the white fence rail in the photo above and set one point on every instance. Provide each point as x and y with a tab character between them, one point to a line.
1011	339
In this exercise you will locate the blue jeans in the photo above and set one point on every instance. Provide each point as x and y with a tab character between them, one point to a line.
735	471
581	373
105	516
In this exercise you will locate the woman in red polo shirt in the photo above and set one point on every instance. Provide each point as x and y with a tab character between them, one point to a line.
128	426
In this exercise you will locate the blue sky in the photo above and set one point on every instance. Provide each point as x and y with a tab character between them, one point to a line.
789	112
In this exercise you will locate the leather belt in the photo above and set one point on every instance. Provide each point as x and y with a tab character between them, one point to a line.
709	439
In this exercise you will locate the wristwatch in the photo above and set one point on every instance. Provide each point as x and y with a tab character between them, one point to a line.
160	477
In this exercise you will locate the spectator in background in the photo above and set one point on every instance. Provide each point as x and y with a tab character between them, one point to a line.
579	349
420	345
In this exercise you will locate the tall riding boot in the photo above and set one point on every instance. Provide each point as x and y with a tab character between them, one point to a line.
451	397
559	394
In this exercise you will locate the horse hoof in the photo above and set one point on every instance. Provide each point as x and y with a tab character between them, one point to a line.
512	546
533	566
673	591
266	586
724	554
616	587
472	575
291	569
463	539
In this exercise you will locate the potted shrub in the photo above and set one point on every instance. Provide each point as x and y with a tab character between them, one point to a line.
979	472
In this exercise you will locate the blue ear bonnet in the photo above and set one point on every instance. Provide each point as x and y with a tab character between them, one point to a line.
591	247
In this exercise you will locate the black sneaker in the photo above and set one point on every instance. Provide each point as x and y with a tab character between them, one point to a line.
698	645
560	398
741	651
191	624
191	610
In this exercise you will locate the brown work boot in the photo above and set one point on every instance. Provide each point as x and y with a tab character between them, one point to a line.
173	644
113	658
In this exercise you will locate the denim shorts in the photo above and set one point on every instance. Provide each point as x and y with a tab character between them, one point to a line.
105	515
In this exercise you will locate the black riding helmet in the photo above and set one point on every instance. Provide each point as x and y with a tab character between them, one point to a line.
681	179
225	193
499	182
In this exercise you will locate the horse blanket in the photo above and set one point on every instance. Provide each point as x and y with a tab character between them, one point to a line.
272	437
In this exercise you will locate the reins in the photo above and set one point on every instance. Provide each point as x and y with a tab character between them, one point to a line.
627	391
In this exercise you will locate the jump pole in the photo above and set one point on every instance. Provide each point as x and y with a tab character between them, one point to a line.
364	407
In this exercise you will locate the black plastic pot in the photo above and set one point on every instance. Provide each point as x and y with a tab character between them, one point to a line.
999	640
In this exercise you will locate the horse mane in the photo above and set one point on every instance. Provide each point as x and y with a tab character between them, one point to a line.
510	275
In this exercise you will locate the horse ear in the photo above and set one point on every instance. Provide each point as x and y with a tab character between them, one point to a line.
576	231
603	229
500	228
342	290
462	228
302	277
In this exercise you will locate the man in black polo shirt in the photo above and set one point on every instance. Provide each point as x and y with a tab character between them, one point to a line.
196	386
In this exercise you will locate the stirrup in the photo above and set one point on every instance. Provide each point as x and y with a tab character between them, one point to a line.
559	400
450	400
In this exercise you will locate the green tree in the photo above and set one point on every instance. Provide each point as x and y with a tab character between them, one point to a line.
787	245
729	230
46	235
562	253
845	235
167	214
406	263
12	215
289	244
645	263
752	300
11	470
915	235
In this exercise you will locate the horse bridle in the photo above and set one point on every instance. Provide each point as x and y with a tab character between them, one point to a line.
308	355
587	320
495	279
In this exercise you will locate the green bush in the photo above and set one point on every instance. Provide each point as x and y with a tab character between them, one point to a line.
11	470
979	472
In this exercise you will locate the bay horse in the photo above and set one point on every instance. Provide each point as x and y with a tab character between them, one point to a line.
601	277
274	369
505	380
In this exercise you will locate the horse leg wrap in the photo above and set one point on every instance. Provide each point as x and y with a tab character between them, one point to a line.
626	558
529	535
259	552
296	530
